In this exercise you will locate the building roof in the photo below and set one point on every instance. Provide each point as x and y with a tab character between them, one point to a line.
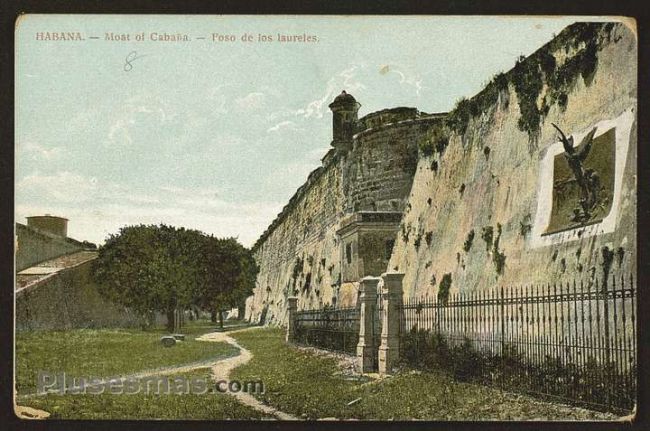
36	274
46	216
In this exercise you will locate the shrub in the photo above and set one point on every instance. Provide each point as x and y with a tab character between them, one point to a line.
467	245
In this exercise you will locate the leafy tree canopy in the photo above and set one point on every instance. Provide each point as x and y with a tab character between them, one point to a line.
162	268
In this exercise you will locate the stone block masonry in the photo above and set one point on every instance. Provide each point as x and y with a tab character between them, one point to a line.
471	189
368	171
478	211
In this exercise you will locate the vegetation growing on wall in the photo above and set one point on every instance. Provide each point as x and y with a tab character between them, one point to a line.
487	233
418	241
608	259
498	257
528	84
486	152
426	147
530	74
578	253
297	269
465	109
467	245
458	119
554	256
620	254
406	230
437	142
525	225
428	237
443	289
307	284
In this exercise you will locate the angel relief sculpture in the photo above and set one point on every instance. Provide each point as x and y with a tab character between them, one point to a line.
587	179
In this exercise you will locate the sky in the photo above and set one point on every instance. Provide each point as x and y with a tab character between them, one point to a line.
215	135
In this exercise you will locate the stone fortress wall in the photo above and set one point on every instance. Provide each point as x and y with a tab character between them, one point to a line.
466	195
301	252
496	177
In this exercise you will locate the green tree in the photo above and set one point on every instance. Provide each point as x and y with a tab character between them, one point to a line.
228	273
150	268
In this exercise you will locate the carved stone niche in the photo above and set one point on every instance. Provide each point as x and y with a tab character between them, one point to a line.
366	241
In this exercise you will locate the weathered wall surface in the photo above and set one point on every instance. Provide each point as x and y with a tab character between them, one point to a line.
494	176
378	172
300	255
476	186
69	300
35	246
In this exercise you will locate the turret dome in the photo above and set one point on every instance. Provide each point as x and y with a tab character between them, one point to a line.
343	99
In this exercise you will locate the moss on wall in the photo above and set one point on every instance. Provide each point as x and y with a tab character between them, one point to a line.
582	43
490	153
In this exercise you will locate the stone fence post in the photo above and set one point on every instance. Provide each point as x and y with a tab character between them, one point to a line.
292	307
366	346
392	304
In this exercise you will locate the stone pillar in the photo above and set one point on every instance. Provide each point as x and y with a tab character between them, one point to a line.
292	307
366	346
392	304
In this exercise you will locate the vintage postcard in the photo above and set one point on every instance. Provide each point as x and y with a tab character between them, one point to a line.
325	217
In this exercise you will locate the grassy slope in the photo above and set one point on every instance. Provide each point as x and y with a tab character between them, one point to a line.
106	352
212	406
300	383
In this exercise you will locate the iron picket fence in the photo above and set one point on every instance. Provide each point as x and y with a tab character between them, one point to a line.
330	328
574	341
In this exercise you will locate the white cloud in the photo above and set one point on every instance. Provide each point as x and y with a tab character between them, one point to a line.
123	120
72	196
347	79
284	125
119	132
38	152
217	99
406	77
251	102
344	80
63	187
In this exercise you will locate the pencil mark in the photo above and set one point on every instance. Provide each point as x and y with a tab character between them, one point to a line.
132	56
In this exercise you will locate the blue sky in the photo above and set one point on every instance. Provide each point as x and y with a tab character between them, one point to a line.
218	136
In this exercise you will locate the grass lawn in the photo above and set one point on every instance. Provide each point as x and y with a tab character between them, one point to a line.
298	382
210	406
107	352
